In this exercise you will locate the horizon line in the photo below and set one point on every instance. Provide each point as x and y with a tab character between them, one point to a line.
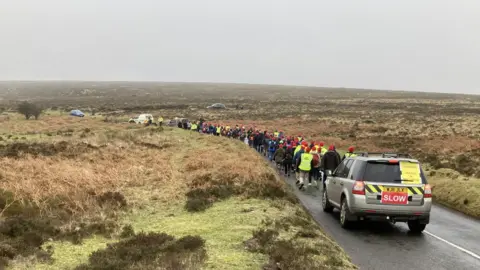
239	83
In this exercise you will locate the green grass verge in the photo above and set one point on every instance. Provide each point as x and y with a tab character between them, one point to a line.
454	190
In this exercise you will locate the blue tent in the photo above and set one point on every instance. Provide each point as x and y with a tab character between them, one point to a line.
77	113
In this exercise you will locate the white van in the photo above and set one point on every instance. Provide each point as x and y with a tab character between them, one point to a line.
141	118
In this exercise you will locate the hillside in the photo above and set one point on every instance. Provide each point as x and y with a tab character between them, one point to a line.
159	197
441	130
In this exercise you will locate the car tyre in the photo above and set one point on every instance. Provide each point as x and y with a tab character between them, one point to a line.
415	226
326	206
345	215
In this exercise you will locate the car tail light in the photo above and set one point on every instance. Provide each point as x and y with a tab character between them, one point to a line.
358	188
428	191
393	161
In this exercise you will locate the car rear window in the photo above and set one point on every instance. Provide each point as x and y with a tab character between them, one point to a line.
385	173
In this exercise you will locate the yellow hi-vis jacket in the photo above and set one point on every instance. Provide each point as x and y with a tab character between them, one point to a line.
194	127
219	129
348	154
306	162
297	149
276	134
323	151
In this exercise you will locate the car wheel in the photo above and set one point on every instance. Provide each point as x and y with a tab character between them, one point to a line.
345	215
327	207
415	226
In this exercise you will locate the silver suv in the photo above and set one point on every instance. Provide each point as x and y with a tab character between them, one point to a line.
379	186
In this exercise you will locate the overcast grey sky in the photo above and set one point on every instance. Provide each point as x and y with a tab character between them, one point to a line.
427	45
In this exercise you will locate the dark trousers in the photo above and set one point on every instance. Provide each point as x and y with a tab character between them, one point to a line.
314	173
287	167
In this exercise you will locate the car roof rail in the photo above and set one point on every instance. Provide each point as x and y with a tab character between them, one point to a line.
386	155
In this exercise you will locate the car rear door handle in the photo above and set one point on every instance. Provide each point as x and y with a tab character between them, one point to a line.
341	183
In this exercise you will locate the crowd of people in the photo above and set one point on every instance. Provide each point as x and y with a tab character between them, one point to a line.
292	154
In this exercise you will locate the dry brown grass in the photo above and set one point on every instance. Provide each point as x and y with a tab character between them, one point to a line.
80	182
111	168
442	130
120	158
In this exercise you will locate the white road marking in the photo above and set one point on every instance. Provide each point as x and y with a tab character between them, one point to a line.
453	245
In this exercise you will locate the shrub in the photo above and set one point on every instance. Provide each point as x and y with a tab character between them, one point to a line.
112	199
150	251
127	231
29	109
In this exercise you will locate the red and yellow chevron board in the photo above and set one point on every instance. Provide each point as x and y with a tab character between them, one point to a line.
411	177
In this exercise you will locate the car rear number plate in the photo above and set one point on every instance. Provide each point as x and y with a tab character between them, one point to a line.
395	189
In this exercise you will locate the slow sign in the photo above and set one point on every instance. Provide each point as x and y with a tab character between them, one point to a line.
394	197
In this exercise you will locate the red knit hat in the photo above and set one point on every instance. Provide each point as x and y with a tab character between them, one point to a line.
307	150
331	147
351	149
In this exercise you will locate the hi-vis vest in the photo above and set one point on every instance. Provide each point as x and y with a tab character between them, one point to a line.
160	119
348	154
219	129
323	151
297	149
276	134
194	127
306	162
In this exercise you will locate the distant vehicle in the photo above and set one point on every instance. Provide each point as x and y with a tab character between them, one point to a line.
216	106
77	113
174	122
140	119
387	187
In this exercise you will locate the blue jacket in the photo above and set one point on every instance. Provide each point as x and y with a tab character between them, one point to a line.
271	146
297	156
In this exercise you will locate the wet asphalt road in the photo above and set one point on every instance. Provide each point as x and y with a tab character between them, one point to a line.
390	246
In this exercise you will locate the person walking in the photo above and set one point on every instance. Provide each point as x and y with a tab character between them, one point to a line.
266	143
330	161
279	156
322	149
271	150
315	171
296	157
287	162
193	126
304	165
350	153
